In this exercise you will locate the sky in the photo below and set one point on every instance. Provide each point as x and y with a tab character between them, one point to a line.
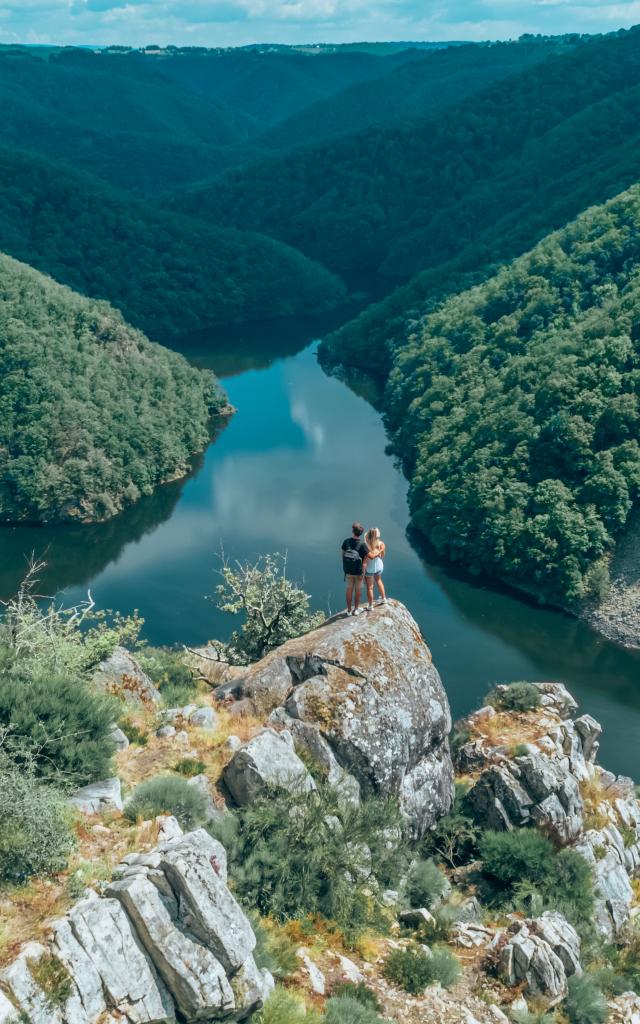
235	22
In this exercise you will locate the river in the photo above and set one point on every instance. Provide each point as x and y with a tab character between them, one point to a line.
299	461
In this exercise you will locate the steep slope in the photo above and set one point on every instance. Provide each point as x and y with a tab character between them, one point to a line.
370	200
435	79
92	415
515	408
270	86
118	117
167	274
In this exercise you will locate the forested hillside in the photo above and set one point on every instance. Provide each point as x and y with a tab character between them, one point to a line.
516	409
168	274
92	415
405	197
433	80
117	116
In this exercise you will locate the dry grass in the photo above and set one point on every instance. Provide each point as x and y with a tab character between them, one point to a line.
596	803
509	728
26	911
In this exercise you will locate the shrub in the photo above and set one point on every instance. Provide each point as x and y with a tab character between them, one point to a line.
527	1017
56	724
426	885
585	1003
294	854
189	767
514	697
360	992
412	969
35	826
346	1010
134	733
173	677
168	794
284	1008
523	867
512	857
455	837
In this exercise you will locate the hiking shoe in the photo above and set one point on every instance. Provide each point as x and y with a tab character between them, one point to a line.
356	611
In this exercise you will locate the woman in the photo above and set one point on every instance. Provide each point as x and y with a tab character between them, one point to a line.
374	565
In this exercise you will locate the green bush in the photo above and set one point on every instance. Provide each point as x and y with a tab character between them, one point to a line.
360	992
455	838
189	767
412	969
35	826
426	884
291	855
515	697
524	867
527	1017
346	1010
168	794
134	733
55	723
585	1003
173	677
283	1008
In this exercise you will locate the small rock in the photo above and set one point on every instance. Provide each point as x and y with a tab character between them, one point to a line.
349	970
169	828
316	977
182	738
98	797
231	744
165	732
119	738
120	673
416	918
204	718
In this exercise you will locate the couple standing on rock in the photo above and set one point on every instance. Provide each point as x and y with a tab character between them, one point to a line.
363	559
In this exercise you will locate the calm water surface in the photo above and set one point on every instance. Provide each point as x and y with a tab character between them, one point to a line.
300	460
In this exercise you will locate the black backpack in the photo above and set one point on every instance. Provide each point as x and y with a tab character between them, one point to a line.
351	560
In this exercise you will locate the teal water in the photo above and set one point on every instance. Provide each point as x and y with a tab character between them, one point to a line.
299	461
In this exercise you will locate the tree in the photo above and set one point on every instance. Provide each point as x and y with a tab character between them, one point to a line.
275	608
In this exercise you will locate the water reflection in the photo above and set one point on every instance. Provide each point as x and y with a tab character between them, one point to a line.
302	458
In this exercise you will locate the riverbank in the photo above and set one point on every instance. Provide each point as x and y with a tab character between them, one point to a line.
617	617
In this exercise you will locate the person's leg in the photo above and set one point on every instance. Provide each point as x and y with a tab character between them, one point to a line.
369	582
381	589
349	593
358	593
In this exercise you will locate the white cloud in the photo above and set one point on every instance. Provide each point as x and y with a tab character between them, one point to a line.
232	22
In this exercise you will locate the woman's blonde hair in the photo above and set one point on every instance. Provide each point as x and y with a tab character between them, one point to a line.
372	537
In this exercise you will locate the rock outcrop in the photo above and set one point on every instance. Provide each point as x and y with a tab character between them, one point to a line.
168	942
362	697
541	954
268	761
551	781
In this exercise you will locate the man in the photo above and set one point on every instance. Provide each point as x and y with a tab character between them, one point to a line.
354	551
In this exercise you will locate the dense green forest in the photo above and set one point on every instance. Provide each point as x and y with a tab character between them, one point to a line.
401	198
168	274
92	415
515	406
434	80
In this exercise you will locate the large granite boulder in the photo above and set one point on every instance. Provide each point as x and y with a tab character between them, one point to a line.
369	686
168	942
98	797
123	675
